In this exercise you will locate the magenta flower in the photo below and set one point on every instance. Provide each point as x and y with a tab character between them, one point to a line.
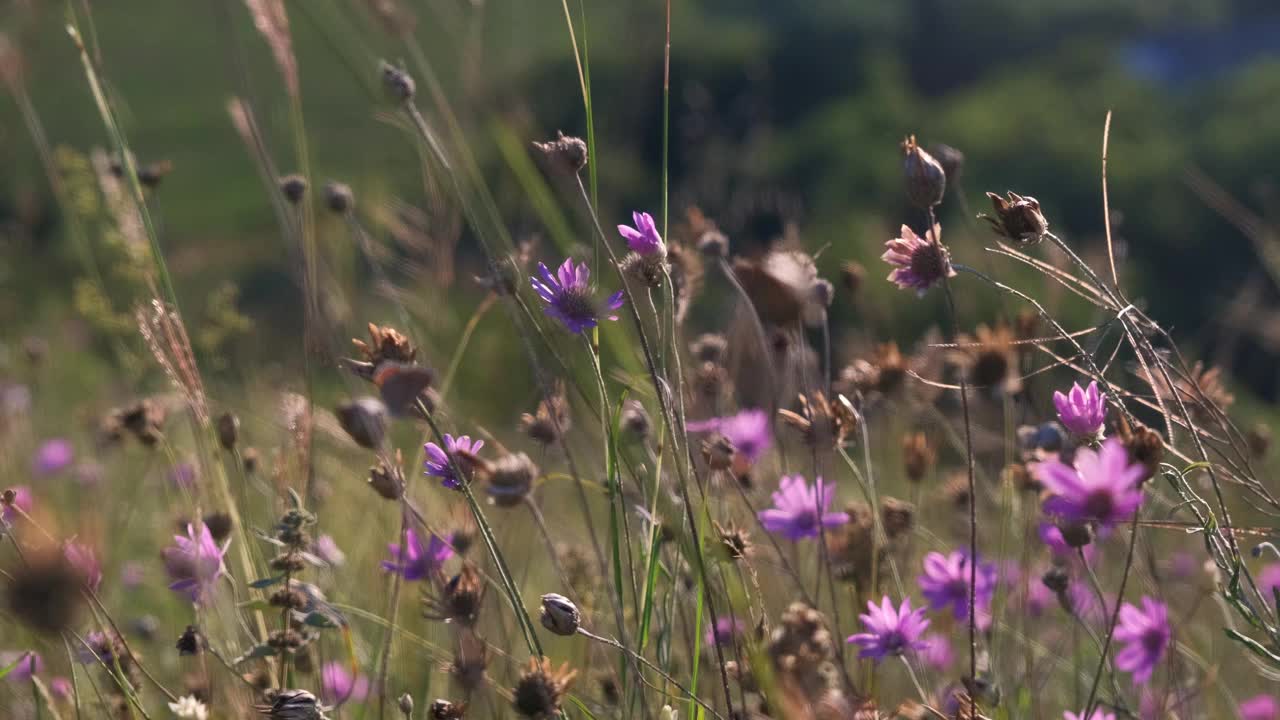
1102	487
643	239
30	665
183	475
723	631
946	582
85	561
1146	636
747	431
936	652
194	563
799	510
1259	707
21	501
327	550
569	299
338	685
919	263
1268	581
1098	714
890	631
440	461
1082	412
416	561
60	687
52	457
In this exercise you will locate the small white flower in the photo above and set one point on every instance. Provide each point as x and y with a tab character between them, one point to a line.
667	713
189	707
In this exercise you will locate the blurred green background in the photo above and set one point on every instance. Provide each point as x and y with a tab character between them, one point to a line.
781	113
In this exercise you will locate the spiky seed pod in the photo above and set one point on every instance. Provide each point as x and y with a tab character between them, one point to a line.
925	177
1017	218
560	615
398	83
293	187
541	687
228	430
644	269
459	600
566	155
339	197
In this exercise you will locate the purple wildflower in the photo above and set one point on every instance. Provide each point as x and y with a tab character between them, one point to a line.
1259	707
800	510
1098	714
1082	411
31	664
338	685
1102	487
1268	581
747	431
889	630
936	652
21	501
723	631
568	296
440	462
327	550
1146	634
194	563
85	561
416	561
643	239
52	457
946	582
60	687
919	263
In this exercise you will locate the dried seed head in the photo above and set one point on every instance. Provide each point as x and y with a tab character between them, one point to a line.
551	418
1076	534
1145	446
918	456
44	594
219	524
560	615
1017	218
511	478
898	517
228	430
926	179
538	693
293	187
565	154
386	344
191	642
635	419
459	600
249	458
735	543
405	704
445	710
470	661
338	197
956	489
709	347
823	422
398	83
292	705
1056	579
1017	475
718	451
713	244
647	270
386	480
365	420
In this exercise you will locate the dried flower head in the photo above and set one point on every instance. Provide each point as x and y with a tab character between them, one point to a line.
293	187
1017	218
565	154
919	263
918	456
44	593
458	600
541	687
551	418
898	517
709	347
510	478
1144	445
823	422
989	358
713	244
191	642
926	179
1202	391
470	660
364	420
338	197
735	542
387	480
442	709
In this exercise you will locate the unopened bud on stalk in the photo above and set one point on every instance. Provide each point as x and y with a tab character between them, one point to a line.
293	187
399	84
560	615
338	197
926	180
406	705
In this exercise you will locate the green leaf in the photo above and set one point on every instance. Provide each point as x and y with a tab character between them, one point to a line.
266	582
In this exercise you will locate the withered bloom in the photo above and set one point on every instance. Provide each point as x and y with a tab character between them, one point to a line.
918	456
990	358
470	661
510	478
1017	218
387	481
1202	390
823	422
44	594
458	600
565	154
925	176
443	709
541	687
898	517
338	197
735	543
386	343
551	419
1144	445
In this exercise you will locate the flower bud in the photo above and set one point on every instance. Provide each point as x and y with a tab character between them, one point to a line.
338	197
228	430
365	420
1056	579
566	155
398	83
1076	535
405	703
293	187
560	615
926	180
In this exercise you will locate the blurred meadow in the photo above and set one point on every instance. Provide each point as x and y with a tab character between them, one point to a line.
202	204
